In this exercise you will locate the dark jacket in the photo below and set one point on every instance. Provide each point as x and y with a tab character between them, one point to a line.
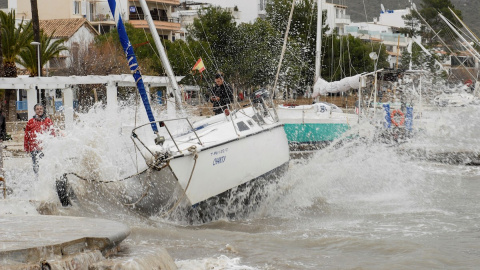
224	92
3	128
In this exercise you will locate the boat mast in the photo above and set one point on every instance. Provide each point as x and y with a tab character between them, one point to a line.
132	62
318	50
163	55
467	44
284	47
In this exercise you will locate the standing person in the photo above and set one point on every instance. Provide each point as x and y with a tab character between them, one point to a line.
3	127
40	123
221	95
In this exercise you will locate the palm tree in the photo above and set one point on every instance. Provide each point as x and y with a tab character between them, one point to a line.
14	40
1	54
48	50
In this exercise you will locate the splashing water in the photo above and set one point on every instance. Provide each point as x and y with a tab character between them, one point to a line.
362	204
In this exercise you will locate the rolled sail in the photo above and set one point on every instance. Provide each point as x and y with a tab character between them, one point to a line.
323	87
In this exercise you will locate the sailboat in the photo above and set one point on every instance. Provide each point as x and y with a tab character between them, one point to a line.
316	125
195	164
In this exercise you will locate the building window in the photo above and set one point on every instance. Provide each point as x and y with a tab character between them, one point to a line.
91	11
262	5
77	5
3	4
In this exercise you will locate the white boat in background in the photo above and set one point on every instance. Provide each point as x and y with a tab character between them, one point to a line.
455	100
196	165
313	126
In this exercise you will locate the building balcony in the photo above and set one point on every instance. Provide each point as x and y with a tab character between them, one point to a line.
169	2
141	17
170	24
101	18
345	19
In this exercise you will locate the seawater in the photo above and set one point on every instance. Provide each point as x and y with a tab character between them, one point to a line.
355	205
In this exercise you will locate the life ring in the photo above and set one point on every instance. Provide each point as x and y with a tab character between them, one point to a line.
392	118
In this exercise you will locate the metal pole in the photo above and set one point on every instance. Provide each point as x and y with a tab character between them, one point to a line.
38	61
163	55
318	53
376	89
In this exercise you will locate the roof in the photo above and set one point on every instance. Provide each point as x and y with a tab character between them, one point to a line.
65	28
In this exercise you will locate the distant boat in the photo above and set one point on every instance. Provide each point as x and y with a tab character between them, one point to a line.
313	126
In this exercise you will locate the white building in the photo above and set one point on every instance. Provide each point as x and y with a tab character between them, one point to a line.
393	18
337	17
394	43
384	29
188	11
77	33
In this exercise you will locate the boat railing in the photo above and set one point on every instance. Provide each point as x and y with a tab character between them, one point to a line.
260	104
231	118
160	139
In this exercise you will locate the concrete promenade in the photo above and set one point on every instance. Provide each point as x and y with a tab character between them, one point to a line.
31	240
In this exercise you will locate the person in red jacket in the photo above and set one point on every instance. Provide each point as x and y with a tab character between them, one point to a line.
40	123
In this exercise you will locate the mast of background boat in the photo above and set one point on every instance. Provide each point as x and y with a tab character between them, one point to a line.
474	52
474	37
132	62
284	47
318	45
163	55
441	40
318	48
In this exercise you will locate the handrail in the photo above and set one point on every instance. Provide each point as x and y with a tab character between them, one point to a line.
163	124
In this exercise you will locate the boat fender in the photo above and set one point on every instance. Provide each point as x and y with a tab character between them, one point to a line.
402	119
227	112
388	118
62	190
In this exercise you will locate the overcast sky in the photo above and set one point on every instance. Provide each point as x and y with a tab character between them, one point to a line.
248	8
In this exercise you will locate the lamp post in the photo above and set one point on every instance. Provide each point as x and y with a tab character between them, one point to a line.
35	43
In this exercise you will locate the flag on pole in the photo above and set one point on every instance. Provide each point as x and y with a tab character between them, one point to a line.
199	66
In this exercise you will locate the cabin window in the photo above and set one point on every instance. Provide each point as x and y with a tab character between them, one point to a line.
242	126
250	123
